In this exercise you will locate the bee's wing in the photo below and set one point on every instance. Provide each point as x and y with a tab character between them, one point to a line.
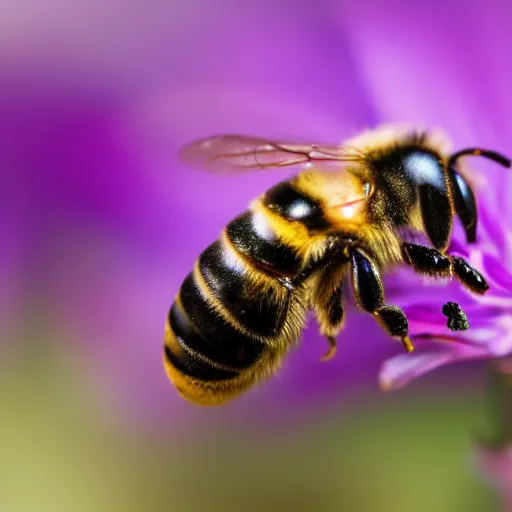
239	153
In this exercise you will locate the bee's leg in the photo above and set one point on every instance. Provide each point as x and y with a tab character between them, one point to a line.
428	261
369	293
330	315
332	349
327	301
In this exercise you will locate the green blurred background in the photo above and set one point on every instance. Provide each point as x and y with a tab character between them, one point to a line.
65	447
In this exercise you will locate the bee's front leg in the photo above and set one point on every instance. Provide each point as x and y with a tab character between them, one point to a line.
369	293
428	261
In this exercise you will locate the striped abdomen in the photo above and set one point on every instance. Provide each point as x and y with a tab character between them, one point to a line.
232	309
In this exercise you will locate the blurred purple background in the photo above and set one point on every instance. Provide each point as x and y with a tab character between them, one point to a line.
99	224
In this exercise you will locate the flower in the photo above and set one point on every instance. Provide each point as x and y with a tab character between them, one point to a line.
490	315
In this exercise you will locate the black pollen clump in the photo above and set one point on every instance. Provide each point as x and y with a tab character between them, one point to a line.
457	319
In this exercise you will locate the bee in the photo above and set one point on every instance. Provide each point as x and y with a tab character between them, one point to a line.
343	215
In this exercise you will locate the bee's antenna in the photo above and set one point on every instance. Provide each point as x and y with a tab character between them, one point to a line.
492	155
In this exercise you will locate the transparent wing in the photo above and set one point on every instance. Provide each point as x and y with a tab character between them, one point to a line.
239	153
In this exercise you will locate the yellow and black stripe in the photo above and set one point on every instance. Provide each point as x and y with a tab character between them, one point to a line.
232	312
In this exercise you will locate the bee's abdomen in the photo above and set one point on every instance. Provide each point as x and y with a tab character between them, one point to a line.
232	307
211	334
190	364
260	313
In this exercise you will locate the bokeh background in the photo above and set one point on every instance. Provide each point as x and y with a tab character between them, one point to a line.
99	224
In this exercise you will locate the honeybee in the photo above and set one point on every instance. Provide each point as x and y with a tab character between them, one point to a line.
244	304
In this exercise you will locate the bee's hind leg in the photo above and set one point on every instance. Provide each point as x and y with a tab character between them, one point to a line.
327	301
369	293
332	349
330	315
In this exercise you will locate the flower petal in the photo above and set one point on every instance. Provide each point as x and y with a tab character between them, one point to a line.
398	371
498	277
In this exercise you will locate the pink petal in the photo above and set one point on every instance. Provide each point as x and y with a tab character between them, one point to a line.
398	371
492	229
497	337
494	271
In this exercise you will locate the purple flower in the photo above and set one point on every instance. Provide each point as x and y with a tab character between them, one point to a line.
490	315
98	105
